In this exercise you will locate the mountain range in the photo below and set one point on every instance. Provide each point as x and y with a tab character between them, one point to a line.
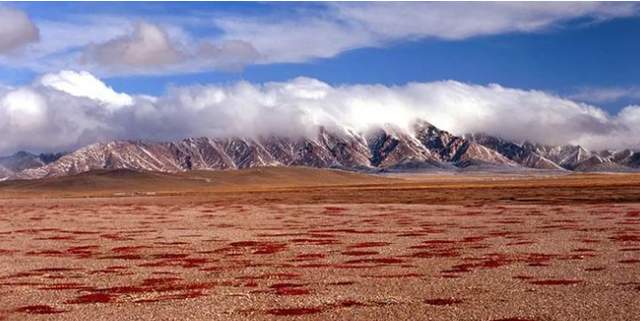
384	148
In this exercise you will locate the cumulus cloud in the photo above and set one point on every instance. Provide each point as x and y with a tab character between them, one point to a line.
58	117
149	48
16	30
147	45
24	109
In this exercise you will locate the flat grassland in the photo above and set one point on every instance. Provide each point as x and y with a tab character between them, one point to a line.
308	244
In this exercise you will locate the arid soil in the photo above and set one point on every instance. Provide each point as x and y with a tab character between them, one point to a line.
525	248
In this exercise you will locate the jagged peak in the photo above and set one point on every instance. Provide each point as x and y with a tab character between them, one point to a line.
385	146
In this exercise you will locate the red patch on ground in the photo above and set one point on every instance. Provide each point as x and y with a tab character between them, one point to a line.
439	242
285	276
442	301
342	283
556	282
39	309
66	286
386	260
292	291
310	256
595	269
285	285
359	253
436	253
179	296
315	241
129	249
123	257
394	276
368	244
54	270
92	298
260	247
170	256
294	311
626	238
633	214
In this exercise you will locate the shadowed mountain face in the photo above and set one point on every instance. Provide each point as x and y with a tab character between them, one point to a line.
567	157
424	146
10	165
525	155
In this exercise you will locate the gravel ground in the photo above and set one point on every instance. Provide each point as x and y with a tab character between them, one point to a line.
96	260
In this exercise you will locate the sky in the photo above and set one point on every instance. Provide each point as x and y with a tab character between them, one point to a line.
76	73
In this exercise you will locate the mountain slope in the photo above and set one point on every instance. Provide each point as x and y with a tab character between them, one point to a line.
390	146
567	156
458	150
20	161
386	147
517	153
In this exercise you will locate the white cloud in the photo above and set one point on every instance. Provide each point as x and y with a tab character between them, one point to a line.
463	20
152	49
147	45
54	118
230	55
349	26
16	30
24	109
167	43
84	84
296	40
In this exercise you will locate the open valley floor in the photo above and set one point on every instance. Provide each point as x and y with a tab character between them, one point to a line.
303	244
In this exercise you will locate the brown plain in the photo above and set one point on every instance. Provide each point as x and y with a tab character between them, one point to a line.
310	244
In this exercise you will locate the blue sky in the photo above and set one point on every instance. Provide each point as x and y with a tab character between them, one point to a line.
76	73
568	54
561	61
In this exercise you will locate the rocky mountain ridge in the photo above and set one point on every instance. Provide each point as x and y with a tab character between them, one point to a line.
388	148
11	165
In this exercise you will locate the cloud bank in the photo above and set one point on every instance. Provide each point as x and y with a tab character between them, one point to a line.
69	109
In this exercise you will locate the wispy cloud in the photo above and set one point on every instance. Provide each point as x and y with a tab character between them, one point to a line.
346	26
152	44
606	94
